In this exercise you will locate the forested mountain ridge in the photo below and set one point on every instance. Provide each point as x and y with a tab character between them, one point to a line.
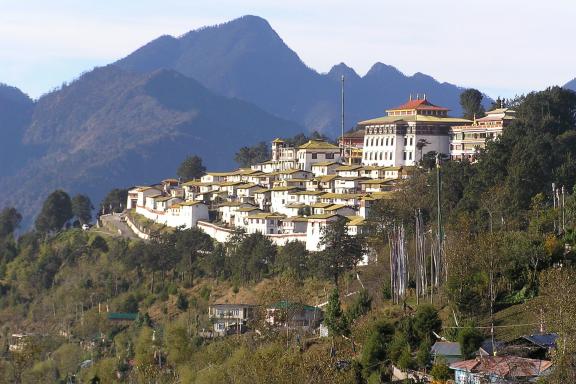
114	128
15	113
246	58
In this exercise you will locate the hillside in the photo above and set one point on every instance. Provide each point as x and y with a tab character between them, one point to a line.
111	128
246	58
15	112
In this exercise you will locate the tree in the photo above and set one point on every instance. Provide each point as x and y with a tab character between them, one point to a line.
360	306
470	340
341	250
334	318
424	356
426	322
248	156
440	371
82	208
191	168
471	102
115	201
557	302
10	220
375	348
56	211
293	257
189	244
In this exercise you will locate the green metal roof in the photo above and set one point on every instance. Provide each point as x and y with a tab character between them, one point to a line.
122	316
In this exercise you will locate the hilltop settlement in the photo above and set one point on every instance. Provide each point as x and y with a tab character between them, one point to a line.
294	195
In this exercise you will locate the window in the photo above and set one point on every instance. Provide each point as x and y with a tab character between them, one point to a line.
409	155
405	141
386	141
392	141
411	140
404	155
380	155
329	155
314	155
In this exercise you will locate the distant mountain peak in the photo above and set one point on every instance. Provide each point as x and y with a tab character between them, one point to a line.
342	69
571	85
380	69
14	94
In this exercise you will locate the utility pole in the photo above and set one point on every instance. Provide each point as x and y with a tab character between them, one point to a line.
438	201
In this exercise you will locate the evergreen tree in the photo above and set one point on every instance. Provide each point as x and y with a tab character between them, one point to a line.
470	340
248	156
115	201
334	317
10	219
82	208
471	102
56	211
191	168
341	251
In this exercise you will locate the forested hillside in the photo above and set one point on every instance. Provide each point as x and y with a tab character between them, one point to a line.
508	249
115	128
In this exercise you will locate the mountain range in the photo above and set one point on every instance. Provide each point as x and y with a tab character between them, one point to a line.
208	92
245	58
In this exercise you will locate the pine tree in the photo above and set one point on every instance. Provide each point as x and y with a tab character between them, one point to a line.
334	318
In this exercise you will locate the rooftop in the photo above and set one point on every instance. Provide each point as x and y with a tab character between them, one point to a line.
446	348
503	366
419	104
318	144
284	304
414	118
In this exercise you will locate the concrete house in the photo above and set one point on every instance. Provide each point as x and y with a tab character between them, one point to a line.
230	318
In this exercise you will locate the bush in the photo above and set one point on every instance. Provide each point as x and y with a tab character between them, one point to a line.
386	292
360	306
181	302
440	371
470	340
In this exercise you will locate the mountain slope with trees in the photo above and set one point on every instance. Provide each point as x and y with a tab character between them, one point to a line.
246	58
113	128
15	113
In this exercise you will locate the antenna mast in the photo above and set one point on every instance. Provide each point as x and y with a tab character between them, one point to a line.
342	118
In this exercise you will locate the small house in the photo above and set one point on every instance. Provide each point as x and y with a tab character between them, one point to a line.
446	350
499	369
230	318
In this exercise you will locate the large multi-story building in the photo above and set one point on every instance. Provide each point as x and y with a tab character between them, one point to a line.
286	157
351	145
407	132
467	140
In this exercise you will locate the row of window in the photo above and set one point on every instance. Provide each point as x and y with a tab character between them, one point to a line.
329	156
378	155
469	136
385	141
407	155
379	141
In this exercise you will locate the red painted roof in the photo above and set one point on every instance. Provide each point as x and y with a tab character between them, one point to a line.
420	104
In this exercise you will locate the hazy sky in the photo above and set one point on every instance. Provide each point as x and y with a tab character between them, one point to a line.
503	47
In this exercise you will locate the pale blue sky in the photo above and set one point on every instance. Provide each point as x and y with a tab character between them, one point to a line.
503	47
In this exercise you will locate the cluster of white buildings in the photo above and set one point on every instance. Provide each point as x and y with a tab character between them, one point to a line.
300	190
291	197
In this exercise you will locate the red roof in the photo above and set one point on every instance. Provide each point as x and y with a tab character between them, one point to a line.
504	366
420	104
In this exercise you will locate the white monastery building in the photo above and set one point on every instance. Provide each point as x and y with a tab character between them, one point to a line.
406	133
